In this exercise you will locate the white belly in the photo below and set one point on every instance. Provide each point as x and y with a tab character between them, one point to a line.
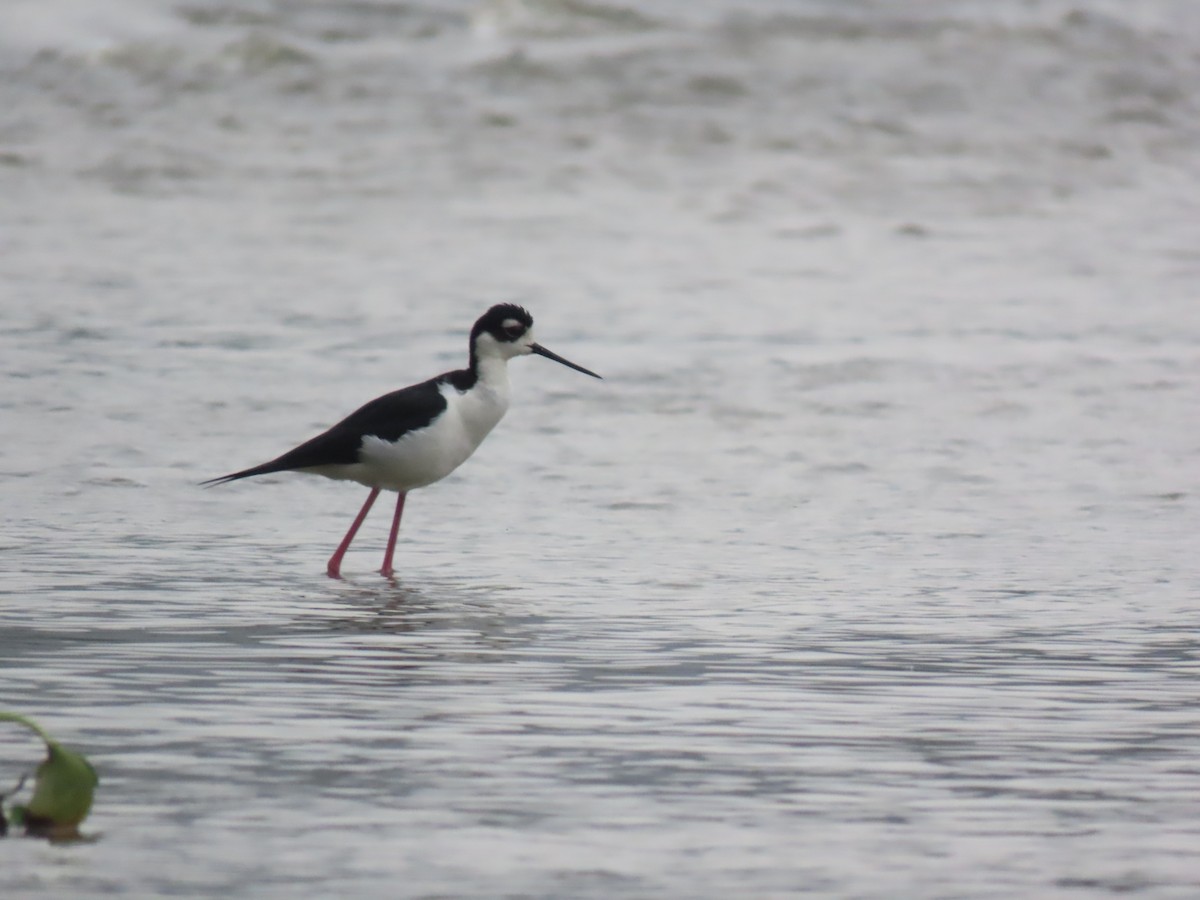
429	454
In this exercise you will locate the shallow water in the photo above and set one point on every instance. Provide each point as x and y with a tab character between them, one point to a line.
869	570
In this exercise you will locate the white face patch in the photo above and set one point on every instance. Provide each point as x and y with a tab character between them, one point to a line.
510	323
489	347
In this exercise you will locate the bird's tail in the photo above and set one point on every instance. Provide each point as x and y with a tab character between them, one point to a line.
264	469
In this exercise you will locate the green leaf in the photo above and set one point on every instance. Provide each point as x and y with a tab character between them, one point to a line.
63	790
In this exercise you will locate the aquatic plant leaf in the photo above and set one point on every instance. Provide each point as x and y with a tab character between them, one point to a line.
63	789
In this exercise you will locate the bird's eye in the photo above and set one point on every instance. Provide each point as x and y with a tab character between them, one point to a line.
514	331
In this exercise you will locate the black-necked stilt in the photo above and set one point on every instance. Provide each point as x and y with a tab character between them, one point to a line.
417	435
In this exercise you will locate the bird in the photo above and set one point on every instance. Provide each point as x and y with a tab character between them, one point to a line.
417	435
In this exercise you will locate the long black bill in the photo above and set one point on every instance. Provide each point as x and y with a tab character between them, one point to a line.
542	351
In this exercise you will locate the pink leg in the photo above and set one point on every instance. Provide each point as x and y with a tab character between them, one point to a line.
334	569
387	571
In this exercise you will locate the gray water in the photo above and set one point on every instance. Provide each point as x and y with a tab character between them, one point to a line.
869	570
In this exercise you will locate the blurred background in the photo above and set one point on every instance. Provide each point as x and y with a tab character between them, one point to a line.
869	570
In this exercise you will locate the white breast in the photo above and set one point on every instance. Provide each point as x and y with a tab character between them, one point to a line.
429	454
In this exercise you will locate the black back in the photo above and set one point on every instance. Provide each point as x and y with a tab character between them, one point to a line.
389	417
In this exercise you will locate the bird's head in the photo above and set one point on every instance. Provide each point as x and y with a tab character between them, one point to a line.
505	331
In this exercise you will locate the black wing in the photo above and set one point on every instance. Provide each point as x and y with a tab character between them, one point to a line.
389	417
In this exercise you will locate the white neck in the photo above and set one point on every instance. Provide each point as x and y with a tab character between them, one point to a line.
483	405
493	373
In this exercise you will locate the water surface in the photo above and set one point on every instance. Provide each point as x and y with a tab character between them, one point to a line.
867	571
